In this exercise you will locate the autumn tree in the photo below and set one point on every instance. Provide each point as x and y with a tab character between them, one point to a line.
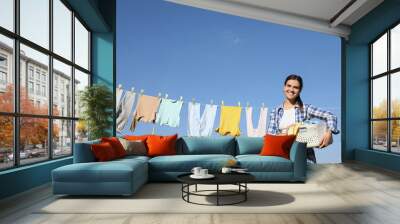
380	127
33	131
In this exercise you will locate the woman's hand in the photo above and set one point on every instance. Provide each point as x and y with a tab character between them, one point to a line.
326	139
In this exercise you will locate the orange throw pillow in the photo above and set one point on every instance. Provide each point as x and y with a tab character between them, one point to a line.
277	145
161	145
136	137
116	145
103	152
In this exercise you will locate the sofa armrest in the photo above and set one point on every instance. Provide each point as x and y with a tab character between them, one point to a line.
299	159
83	152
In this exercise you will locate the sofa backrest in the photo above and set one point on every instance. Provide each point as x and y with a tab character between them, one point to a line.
249	145
206	145
83	152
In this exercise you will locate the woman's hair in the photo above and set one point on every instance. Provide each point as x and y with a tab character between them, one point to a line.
300	80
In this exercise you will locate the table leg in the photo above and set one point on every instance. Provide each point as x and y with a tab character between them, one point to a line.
217	194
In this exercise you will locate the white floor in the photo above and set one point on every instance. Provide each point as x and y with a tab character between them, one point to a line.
378	190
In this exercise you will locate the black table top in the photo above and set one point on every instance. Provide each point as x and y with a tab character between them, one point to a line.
220	178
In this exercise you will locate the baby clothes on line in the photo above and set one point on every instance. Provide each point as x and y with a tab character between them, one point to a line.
118	93
169	112
201	126
229	121
262	122
125	110
145	111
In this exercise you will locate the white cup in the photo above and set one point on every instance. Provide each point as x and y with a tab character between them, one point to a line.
226	170
196	170
203	172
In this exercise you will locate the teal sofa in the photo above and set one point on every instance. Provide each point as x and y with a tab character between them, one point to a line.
125	176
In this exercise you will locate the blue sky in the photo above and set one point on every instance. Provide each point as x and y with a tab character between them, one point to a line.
194	53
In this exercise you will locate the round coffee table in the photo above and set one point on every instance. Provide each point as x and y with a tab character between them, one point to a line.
238	179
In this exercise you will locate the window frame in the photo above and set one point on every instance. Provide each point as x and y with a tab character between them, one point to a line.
388	74
16	114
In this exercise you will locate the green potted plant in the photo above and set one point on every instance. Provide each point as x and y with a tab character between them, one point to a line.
96	103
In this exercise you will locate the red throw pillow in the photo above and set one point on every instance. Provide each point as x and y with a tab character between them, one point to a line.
161	145
116	145
277	145
103	151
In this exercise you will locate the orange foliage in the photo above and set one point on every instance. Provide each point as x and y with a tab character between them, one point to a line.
33	130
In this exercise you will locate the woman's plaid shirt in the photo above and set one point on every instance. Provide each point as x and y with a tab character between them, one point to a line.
302	114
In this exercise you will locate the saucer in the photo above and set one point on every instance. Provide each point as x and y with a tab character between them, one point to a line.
208	176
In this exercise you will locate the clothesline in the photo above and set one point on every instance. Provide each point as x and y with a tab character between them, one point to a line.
194	101
212	101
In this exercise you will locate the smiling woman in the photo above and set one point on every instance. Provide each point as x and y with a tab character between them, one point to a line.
294	111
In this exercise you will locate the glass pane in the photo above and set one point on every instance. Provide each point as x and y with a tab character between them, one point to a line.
81	81
395	94
6	74
35	21
81	131
62	29
6	142
62	89
33	139
81	45
395	47
34	72
62	138
7	14
379	97
395	138
379	56
379	135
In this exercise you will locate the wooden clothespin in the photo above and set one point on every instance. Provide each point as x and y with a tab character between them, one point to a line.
181	98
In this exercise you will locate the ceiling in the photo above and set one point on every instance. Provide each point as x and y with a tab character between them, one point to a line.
328	16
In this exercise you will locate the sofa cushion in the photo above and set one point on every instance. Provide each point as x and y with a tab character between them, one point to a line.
111	171
277	145
257	163
185	163
206	145
116	145
249	145
103	151
161	145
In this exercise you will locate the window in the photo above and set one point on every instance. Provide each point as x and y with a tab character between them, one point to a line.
35	21
3	78
30	87
30	72
6	73
7	14
62	29
81	45
385	94
45	131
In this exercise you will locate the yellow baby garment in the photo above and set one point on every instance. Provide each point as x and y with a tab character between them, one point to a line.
229	121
